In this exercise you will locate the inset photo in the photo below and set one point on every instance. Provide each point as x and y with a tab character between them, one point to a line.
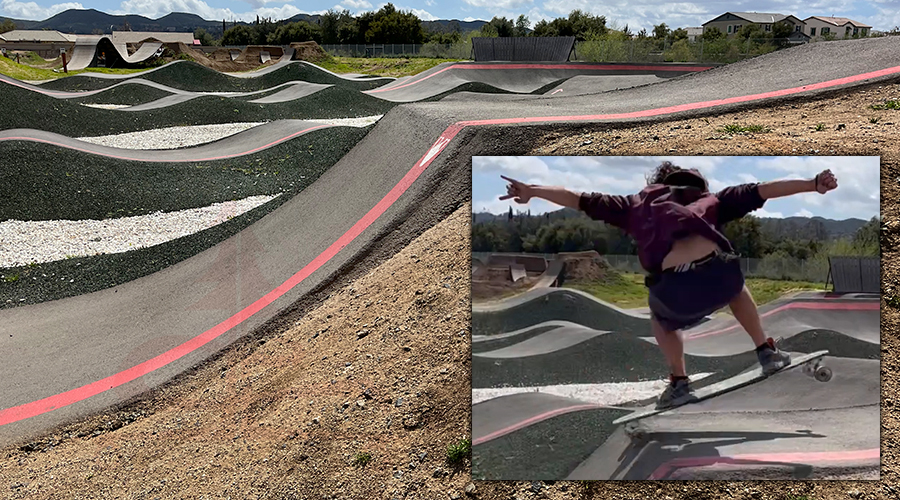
701	318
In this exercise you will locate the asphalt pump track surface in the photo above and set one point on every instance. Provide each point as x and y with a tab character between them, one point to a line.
408	173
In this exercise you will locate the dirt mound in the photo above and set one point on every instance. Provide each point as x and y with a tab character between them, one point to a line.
220	59
253	55
309	51
586	267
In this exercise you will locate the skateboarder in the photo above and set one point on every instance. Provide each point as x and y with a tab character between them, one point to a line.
692	268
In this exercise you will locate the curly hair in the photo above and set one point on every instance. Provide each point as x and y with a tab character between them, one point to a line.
659	173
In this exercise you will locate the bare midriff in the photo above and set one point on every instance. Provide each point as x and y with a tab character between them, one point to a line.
689	249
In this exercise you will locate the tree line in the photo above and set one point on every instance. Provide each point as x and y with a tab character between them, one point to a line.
752	237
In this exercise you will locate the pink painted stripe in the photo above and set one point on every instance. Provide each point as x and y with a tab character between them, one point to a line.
530	421
692	106
51	403
833	306
756	458
596	67
35	408
152	160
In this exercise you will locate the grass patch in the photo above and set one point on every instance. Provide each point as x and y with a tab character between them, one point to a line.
382	66
362	459
625	290
629	291
458	452
10	68
735	128
889	104
820	127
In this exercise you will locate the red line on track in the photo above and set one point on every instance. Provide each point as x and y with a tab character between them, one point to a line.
51	403
756	458
832	306
533	420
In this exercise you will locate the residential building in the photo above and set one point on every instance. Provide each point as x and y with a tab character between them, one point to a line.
839	27
731	22
45	43
694	33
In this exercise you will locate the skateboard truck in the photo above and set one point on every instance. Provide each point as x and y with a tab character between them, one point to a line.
817	370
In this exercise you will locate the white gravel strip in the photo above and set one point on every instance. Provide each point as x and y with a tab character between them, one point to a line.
611	394
180	137
107	106
25	242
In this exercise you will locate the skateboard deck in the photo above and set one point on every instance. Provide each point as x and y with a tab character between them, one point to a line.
811	364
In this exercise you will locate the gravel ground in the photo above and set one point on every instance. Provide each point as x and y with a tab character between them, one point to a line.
26	242
107	106
62	116
180	137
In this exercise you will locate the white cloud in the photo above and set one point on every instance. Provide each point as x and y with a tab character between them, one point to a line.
32	11
498	4
763	213
355	5
803	213
158	8
423	14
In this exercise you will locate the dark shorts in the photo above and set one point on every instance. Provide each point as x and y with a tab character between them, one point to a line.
680	300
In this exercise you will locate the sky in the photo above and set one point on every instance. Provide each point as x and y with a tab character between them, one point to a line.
637	14
857	195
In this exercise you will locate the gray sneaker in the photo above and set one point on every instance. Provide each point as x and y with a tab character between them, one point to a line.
677	392
771	359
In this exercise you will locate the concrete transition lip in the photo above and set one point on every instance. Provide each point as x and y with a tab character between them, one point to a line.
381	195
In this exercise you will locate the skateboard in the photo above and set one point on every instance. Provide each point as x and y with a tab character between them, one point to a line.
811	364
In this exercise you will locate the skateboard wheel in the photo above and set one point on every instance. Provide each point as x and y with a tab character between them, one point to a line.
638	433
823	374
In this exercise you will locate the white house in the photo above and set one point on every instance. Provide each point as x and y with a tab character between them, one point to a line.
840	27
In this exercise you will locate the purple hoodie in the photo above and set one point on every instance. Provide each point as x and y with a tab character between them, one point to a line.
661	214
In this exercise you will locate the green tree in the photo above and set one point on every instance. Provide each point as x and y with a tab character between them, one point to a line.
204	37
523	26
502	26
301	31
661	31
239	35
867	238
712	34
7	25
745	235
390	25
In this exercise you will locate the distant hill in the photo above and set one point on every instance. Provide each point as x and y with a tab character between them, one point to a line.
86	21
800	228
21	24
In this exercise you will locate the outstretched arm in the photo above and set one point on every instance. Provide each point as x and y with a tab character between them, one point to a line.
822	183
612	209
524	192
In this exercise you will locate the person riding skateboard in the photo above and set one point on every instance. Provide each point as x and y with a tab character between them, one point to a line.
692	267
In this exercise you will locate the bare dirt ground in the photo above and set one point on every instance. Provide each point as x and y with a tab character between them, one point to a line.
382	367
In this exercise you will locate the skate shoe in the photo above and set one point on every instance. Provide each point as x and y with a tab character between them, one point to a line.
677	392
770	358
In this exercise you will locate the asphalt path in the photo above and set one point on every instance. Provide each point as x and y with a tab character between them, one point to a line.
407	174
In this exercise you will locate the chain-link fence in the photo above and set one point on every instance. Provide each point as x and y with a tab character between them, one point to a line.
771	267
429	50
633	50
